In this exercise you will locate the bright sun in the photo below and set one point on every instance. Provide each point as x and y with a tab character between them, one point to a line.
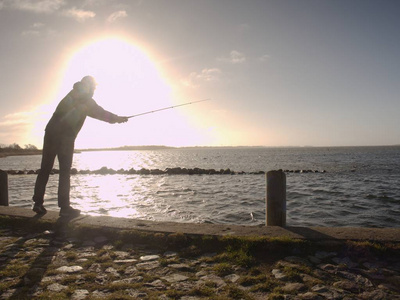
128	83
124	73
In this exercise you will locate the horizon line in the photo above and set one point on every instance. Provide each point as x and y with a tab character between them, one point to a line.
150	147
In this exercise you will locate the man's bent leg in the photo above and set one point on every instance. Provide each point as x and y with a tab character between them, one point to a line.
48	156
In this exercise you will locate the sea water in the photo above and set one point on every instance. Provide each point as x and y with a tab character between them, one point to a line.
359	185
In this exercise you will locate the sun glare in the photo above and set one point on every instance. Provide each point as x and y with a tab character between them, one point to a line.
124	73
129	83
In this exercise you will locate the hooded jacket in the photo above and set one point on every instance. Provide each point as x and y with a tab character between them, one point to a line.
72	111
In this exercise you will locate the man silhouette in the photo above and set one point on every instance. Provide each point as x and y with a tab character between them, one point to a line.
59	139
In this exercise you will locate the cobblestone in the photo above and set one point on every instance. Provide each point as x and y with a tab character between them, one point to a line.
97	268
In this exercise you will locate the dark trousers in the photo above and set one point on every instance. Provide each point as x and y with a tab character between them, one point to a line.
62	147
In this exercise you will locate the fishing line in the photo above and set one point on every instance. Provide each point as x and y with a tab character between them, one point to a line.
153	111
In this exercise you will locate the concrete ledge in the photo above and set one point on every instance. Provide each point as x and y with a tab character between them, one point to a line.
308	233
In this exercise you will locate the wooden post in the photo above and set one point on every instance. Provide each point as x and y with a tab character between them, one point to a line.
3	188
275	214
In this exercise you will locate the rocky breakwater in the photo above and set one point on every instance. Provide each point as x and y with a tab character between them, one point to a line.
167	171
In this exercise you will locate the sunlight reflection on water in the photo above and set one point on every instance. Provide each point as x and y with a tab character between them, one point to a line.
360	187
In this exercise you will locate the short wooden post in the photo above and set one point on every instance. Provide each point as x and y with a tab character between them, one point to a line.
275	214
3	188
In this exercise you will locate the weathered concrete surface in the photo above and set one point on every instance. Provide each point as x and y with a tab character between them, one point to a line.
310	233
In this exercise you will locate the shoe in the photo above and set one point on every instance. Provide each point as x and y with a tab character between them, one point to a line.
69	212
39	209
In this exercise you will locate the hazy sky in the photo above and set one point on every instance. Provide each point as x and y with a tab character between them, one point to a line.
279	73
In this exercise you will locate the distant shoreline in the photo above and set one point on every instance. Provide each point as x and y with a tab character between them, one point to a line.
20	152
159	147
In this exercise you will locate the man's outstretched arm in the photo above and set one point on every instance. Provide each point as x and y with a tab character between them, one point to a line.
97	112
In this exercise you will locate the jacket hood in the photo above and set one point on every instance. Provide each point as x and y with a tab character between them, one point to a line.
78	86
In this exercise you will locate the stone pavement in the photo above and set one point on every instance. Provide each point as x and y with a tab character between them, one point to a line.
38	264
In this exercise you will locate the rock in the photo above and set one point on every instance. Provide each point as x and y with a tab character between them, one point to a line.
356	278
130	270
319	288
232	278
374	295
181	267
201	273
226	172
53	278
125	261
86	254
8	294
71	269
101	279
344	261
108	247
121	254
130	280
131	171
371	265
328	268
134	294
156	284
80	294
309	296
148	265
95	268
309	279
157	172
279	274
293	287
68	247
175	278
170	254
149	257
112	271
333	294
99	294
56	287
347	285
389	287
213	278
143	171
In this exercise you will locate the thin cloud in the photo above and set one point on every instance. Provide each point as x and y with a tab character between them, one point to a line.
16	126
265	58
38	29
235	57
36	6
116	16
206	75
79	14
18	118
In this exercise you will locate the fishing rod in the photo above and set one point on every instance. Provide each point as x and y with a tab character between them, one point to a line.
149	112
